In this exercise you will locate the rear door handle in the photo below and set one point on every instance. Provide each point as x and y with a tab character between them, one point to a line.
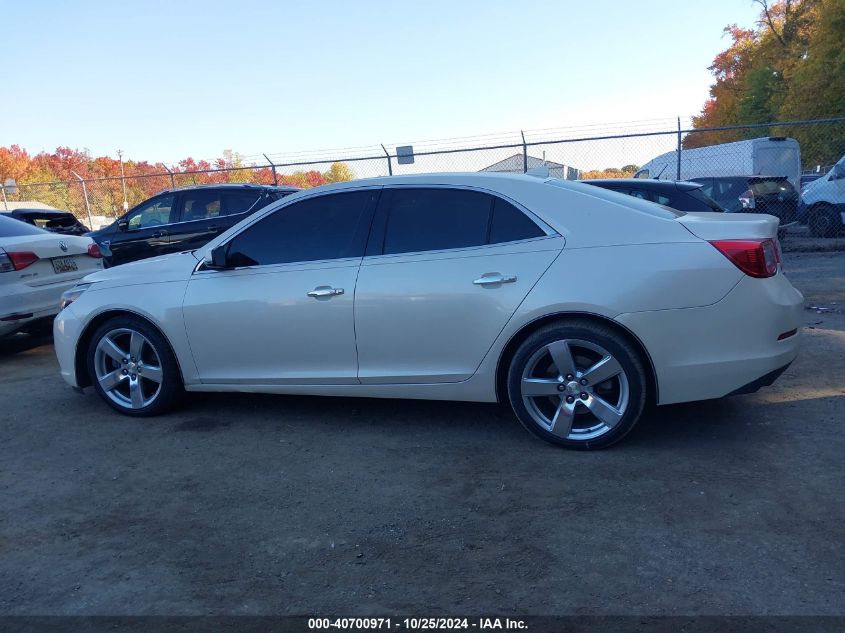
160	234
213	228
325	291
490	279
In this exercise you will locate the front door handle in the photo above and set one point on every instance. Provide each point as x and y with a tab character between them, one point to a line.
213	228
158	234
325	291
490	279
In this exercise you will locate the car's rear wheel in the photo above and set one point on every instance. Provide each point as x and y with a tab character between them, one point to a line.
577	384
824	221
132	367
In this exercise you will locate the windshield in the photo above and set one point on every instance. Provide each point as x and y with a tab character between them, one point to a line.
15	228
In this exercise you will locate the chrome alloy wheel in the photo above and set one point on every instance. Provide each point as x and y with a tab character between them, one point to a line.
574	389
128	368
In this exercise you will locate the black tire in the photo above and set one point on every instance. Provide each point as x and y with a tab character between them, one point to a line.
170	390
617	346
40	328
824	221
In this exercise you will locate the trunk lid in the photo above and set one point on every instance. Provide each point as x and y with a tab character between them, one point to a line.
731	226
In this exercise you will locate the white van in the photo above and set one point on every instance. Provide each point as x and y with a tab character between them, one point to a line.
824	202
766	156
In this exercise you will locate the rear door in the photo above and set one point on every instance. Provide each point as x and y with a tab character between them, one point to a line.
199	219
445	270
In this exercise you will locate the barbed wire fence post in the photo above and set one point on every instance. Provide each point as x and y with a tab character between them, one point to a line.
85	198
272	167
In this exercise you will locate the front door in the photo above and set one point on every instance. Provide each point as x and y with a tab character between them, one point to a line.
444	272
143	231
282	313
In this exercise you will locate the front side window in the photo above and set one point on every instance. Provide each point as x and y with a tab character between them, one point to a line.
319	228
155	212
419	220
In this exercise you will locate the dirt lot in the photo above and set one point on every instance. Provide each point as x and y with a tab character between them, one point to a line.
254	504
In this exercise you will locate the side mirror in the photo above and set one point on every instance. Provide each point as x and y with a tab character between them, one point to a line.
122	225
216	259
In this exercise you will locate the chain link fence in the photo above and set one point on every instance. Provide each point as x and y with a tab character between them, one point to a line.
730	162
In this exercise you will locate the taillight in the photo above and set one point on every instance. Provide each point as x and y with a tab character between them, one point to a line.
11	260
746	199
94	250
757	258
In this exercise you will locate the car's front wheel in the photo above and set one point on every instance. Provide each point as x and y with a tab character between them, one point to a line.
578	384
132	367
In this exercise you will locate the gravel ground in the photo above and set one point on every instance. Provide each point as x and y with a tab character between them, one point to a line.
246	504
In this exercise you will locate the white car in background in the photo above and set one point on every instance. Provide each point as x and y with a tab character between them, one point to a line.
36	267
824	202
574	304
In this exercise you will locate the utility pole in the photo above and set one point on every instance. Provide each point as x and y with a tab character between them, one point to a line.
122	180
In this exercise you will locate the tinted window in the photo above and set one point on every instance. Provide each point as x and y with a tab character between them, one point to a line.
201	204
510	224
700	201
762	187
323	227
154	212
435	219
240	201
14	228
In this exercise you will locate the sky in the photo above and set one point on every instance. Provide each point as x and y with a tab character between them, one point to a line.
163	80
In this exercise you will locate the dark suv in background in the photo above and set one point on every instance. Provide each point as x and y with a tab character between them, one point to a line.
774	195
181	219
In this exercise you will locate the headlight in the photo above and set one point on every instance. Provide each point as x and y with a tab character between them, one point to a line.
69	296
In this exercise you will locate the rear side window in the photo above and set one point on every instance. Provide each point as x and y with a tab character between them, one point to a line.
419	220
509	224
322	227
235	202
14	228
201	204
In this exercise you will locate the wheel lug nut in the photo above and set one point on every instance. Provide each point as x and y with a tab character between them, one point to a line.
125	360
584	395
569	399
583	381
134	376
125	372
569	376
561	387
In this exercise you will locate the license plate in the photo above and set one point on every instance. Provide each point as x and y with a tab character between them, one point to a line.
64	264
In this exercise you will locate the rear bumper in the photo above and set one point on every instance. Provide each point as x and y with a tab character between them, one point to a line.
723	348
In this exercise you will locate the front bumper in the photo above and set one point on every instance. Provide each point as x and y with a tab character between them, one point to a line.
66	331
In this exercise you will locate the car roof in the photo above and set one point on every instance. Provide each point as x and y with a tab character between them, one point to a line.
646	183
231	185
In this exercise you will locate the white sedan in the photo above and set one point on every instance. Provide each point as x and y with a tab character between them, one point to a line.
574	304
36	267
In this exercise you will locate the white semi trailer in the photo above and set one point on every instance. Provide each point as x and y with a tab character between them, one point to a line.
766	156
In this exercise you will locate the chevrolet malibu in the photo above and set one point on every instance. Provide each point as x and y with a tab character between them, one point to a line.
575	305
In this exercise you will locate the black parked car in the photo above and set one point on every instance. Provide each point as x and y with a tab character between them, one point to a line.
774	195
181	219
677	194
51	220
